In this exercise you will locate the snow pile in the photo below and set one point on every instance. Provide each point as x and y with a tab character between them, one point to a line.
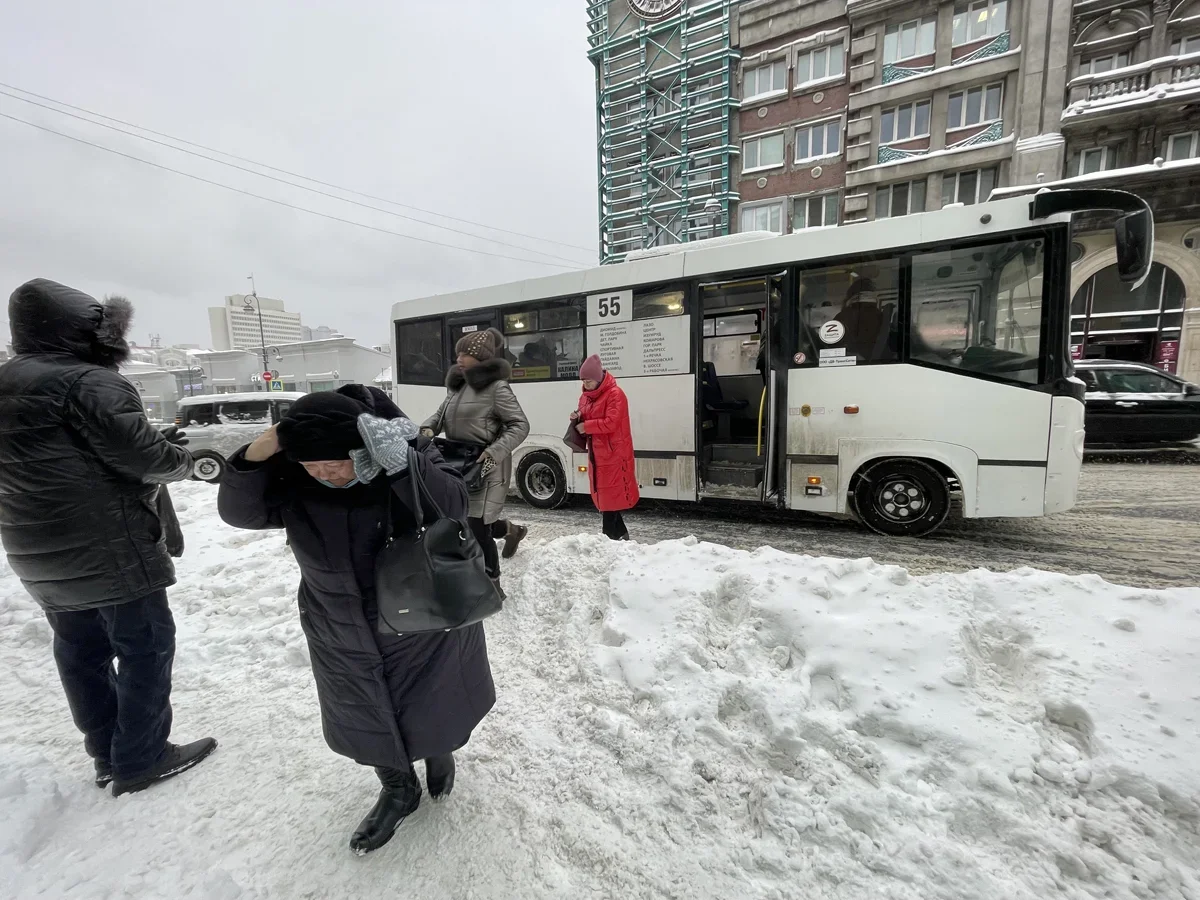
680	720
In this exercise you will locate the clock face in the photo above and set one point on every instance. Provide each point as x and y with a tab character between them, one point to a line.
653	10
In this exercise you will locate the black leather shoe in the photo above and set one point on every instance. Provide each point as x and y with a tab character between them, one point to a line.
399	799
104	773
177	758
439	776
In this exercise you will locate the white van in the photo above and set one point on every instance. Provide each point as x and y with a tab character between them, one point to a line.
218	424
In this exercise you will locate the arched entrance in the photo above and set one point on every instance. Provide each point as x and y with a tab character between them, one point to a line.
1110	321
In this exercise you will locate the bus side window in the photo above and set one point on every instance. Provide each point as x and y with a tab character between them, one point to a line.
419	350
848	312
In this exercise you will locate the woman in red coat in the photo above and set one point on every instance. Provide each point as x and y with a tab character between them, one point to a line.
603	416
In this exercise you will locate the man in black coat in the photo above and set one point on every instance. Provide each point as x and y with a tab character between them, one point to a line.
80	474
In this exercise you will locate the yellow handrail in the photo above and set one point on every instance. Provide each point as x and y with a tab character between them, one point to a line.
762	402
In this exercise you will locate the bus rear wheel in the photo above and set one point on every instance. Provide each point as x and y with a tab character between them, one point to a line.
541	480
902	498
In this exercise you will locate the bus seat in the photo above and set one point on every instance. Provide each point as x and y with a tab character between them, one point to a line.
715	403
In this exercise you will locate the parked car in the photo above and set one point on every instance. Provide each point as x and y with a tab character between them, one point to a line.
218	424
1132	404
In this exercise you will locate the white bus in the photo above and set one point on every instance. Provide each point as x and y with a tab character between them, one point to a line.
873	370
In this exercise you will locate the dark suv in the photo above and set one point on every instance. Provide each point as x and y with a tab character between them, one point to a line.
1132	404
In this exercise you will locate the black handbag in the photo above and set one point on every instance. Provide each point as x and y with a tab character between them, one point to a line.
464	456
433	579
574	439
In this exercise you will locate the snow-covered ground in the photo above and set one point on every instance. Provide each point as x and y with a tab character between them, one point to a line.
680	720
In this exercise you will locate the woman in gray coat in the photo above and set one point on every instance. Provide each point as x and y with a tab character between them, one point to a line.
481	409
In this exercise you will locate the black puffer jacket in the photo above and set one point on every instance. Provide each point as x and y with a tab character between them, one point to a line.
80	466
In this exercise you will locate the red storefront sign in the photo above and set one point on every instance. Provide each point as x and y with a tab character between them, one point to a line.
1167	357
1077	351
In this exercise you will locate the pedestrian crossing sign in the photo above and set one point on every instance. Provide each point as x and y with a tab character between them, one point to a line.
277	385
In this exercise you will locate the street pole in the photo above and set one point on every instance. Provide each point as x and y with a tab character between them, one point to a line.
262	335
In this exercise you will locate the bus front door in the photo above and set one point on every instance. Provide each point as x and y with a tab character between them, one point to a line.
736	406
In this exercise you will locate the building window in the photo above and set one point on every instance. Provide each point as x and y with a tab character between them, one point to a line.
1183	146
1099	64
979	310
764	152
1181	46
763	80
420	352
980	19
909	39
1097	159
545	341
824	62
819	139
900	199
904	122
974	106
974	186
318	386
761	217
816	211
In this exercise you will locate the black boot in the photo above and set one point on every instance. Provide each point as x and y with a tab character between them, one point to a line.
512	539
400	797
176	759
104	773
439	776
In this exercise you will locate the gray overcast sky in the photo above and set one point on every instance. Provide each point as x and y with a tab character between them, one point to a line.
481	109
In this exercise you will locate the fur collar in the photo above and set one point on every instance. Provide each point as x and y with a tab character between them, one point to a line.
479	376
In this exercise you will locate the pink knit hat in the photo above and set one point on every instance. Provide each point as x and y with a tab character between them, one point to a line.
592	369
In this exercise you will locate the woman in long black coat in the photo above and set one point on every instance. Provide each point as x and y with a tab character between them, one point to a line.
386	700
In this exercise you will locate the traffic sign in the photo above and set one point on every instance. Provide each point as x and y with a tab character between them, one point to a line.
276	385
266	376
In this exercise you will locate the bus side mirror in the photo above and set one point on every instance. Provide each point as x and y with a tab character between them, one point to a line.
1135	237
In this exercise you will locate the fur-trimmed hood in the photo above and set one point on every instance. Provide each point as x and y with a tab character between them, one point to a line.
479	376
48	317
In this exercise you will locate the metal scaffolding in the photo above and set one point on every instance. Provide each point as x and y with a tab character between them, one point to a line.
665	101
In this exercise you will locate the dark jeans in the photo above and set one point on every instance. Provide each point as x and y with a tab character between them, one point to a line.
614	526
124	713
484	533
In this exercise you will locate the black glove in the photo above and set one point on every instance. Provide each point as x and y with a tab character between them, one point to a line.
175	436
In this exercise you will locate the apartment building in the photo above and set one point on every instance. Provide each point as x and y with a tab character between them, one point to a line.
1132	121
792	123
247	321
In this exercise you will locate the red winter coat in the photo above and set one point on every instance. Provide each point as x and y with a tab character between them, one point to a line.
604	413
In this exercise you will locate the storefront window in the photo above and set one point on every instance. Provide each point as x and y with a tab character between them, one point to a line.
1109	320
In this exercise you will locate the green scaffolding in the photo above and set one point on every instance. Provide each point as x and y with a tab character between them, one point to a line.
665	101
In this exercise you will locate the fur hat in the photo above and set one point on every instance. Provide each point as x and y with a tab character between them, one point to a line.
483	345
320	427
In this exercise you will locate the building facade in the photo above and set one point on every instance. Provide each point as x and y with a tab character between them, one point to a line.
665	105
236	326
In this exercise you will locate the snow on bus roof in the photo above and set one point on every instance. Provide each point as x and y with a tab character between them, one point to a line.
701	258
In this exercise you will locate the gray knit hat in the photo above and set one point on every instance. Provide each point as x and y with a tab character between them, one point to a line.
483	345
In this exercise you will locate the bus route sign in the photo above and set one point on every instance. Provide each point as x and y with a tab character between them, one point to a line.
614	306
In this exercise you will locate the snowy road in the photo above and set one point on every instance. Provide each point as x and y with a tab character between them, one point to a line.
678	720
1136	524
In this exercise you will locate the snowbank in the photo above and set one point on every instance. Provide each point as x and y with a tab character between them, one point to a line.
680	720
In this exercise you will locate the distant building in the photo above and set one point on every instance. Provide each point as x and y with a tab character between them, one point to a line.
235	326
320	333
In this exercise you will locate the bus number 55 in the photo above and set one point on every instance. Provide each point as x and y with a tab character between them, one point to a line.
609	307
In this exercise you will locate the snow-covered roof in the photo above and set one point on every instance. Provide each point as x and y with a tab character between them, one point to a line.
1167	170
384	377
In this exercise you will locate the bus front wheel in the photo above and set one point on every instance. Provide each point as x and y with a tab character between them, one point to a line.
541	480
901	498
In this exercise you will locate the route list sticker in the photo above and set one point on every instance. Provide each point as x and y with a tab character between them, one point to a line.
643	347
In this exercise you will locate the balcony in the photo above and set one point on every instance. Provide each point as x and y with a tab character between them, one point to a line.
1169	79
989	135
1000	44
